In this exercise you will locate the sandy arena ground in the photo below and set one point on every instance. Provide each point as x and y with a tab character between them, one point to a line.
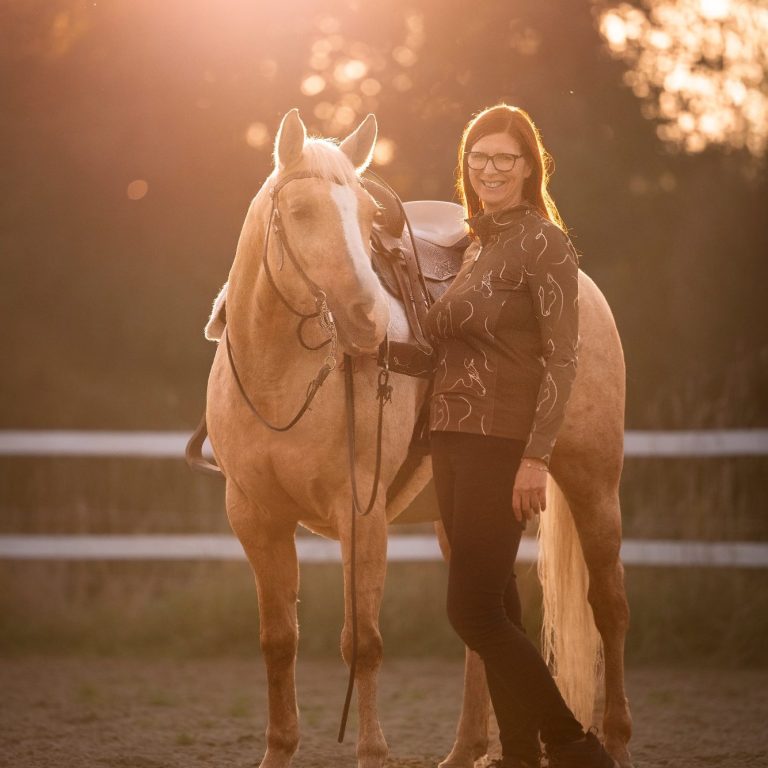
171	714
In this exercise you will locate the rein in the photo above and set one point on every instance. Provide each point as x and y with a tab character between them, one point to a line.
383	395
321	312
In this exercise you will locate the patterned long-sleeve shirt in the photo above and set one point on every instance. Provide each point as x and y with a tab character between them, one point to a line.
506	332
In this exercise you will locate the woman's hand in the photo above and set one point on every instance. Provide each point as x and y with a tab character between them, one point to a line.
529	495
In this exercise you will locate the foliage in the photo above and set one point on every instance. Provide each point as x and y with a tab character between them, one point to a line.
134	134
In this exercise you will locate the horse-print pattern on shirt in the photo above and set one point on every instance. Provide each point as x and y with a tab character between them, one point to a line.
506	332
485	285
472	379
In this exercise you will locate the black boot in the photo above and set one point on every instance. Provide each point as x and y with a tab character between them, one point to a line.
584	753
512	762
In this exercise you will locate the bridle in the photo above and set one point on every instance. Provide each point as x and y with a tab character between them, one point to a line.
327	322
383	395
324	315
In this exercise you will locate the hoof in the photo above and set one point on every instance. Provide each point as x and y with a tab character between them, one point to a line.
462	759
371	761
620	754
274	759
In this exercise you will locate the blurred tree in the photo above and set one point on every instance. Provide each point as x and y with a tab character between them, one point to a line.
136	132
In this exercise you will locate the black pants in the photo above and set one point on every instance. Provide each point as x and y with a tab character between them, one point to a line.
474	476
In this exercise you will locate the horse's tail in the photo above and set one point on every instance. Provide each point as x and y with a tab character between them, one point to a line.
194	452
570	641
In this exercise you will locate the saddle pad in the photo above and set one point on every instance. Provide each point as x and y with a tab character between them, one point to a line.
437	221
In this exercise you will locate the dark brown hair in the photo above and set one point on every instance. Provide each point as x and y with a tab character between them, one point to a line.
517	123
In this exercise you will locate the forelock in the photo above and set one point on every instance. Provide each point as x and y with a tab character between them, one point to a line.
324	158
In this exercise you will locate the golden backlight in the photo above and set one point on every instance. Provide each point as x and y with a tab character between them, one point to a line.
699	67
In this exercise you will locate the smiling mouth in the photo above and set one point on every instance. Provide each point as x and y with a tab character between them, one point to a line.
492	184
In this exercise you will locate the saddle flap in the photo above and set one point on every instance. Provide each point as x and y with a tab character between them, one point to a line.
439	262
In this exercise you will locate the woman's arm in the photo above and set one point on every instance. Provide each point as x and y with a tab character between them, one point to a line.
553	276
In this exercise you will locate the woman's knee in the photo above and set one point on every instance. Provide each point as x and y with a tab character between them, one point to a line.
463	625
474	623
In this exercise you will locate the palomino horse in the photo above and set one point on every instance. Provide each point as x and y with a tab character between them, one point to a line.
276	480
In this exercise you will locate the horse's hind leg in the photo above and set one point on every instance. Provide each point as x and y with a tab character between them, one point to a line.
598	521
472	730
371	564
271	552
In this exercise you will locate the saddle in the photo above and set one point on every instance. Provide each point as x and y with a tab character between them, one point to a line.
416	251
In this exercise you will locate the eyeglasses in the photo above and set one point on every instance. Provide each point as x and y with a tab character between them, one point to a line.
502	161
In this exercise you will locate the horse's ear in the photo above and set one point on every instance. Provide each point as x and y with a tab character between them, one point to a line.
290	140
358	146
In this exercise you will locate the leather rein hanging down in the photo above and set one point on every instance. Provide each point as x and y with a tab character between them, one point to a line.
326	320
324	315
383	395
194	449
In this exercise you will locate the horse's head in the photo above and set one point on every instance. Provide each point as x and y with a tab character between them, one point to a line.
326	218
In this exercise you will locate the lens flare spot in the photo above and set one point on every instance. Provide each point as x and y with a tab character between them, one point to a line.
323	110
321	47
384	153
370	86
404	56
257	135
137	189
352	100
350	70
344	116
312	85
319	61
328	25
667	182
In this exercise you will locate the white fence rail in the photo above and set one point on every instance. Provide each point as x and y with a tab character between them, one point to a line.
170	445
416	548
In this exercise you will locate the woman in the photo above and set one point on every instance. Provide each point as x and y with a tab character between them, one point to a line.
505	334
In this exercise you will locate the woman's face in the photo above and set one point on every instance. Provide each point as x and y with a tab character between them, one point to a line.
496	189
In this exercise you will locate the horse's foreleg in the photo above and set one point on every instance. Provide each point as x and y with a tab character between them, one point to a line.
271	551
472	730
599	524
370	568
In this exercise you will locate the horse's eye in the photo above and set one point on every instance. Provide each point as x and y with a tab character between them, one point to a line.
301	212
